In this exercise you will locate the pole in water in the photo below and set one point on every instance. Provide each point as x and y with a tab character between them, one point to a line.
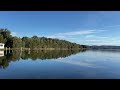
9	49
6	50
29	51
21	48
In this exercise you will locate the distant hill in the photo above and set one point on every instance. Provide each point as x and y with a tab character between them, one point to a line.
103	47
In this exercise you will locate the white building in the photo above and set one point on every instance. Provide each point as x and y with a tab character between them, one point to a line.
2	46
1	53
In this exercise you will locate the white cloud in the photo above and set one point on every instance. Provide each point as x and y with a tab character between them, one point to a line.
69	35
83	32
103	37
108	41
80	63
77	63
102	40
74	33
101	31
56	36
89	36
96	37
51	36
112	26
92	40
13	33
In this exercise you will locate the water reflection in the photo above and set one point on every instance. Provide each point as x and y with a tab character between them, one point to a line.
1	53
8	56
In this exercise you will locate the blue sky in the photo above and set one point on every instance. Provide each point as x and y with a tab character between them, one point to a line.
83	27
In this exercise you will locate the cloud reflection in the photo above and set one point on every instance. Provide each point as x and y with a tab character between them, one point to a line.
80	63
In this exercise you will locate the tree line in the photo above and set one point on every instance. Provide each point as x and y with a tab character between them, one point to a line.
35	42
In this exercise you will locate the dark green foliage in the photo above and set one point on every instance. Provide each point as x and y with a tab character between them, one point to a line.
16	42
2	40
35	42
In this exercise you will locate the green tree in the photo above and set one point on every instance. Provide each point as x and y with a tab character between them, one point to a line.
2	40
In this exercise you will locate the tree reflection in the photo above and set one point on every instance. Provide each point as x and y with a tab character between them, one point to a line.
34	55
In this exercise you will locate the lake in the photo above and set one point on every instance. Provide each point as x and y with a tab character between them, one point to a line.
60	64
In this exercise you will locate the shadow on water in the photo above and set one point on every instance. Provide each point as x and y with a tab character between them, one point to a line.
8	56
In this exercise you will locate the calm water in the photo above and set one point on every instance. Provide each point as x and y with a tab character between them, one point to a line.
60	64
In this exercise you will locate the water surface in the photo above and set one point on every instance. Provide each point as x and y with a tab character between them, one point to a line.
60	64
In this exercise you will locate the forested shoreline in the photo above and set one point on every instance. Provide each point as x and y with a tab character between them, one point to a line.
35	42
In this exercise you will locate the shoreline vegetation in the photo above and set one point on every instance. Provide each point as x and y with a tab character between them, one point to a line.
43	43
36	43
22	49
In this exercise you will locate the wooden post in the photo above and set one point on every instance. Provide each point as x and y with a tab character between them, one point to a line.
20	53
21	48
29	51
9	49
6	50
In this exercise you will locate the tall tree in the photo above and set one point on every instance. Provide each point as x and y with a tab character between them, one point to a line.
2	40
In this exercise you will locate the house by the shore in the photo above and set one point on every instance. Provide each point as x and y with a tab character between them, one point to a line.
1	53
2	45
